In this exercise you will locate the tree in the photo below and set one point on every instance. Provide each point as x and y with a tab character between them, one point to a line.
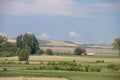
7	49
40	51
116	45
2	39
28	41
23	55
20	41
79	51
49	52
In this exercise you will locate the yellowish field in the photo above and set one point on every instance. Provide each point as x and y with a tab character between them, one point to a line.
30	78
37	59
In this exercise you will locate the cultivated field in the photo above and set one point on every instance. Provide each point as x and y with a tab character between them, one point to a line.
22	71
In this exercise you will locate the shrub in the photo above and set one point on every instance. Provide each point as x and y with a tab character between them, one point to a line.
49	52
4	69
40	51
111	66
74	60
102	61
27	62
98	61
24	55
86	69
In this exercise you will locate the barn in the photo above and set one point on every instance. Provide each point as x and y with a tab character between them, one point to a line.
89	54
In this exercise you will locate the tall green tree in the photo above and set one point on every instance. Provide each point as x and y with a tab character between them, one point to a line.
79	51
116	45
28	41
20	41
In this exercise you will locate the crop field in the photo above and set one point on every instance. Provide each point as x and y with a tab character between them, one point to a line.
11	68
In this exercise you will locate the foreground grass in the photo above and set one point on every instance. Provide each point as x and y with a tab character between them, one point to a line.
71	75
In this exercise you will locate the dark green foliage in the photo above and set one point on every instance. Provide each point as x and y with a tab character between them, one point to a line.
79	51
23	55
111	66
5	69
40	51
100	61
49	52
28	41
86	69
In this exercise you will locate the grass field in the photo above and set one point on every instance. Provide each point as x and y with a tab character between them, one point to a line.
14	69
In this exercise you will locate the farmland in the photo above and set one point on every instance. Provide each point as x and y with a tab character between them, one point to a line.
16	68
63	64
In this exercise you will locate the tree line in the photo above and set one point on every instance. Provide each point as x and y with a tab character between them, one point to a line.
28	44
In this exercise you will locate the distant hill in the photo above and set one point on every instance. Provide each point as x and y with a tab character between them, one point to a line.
11	40
57	43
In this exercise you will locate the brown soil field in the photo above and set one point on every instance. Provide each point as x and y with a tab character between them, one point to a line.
28	78
61	43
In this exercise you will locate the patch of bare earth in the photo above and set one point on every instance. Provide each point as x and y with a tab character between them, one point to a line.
30	78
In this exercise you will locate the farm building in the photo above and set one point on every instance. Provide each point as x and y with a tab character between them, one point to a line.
89	54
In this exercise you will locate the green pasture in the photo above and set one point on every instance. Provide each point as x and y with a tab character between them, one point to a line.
71	75
16	68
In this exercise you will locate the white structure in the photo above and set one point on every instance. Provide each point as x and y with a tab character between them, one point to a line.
90	54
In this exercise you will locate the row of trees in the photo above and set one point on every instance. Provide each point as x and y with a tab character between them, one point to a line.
28	44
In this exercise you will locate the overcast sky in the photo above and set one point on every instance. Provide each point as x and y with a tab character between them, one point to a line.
88	21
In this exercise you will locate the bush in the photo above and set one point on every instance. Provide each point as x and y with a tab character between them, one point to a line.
86	69
27	62
4	69
111	66
95	69
24	55
40	51
98	61
102	61
49	52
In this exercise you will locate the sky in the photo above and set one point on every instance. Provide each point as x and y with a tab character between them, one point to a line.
85	21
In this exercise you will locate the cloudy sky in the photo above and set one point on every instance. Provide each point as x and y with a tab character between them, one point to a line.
88	21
